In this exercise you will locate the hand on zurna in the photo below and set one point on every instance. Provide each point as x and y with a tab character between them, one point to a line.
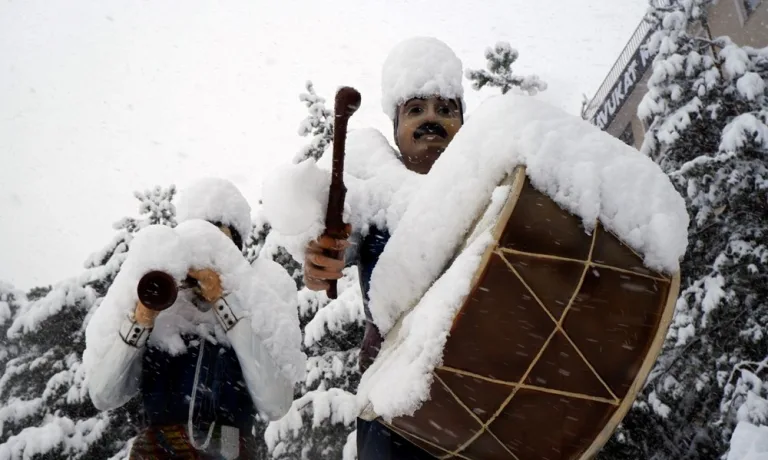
152	268
209	288
145	316
324	261
208	284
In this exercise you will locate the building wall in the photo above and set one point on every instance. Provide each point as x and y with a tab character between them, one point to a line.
727	17
627	115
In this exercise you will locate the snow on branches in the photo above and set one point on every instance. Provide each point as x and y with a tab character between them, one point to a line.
156	205
45	407
319	123
11	300
499	74
707	112
320	420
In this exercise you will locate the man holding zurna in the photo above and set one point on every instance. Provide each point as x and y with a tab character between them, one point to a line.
422	95
225	347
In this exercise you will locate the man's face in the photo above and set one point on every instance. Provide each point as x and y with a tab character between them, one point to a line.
231	234
425	128
225	230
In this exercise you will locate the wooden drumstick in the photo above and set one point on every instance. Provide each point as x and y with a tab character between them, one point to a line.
346	104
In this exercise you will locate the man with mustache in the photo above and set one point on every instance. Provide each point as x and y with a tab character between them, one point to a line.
422	94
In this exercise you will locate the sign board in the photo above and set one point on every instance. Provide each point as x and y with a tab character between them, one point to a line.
624	85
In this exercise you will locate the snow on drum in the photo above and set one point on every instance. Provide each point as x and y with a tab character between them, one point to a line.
541	276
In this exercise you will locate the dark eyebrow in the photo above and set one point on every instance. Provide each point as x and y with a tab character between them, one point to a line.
452	103
414	101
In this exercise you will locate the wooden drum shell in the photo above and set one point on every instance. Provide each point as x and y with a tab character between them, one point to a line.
552	345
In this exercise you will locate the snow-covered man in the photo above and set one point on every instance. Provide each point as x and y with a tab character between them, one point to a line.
422	94
226	350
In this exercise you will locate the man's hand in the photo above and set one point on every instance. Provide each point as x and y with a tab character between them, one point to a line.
320	266
210	284
145	316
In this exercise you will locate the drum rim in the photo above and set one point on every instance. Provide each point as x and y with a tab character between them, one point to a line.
642	374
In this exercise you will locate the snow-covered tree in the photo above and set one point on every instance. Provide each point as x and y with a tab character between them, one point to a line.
319	123
707	112
11	300
45	411
259	232
321	420
499	74
260	244
156	208
323	413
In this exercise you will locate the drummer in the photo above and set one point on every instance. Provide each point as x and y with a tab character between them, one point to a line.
426	113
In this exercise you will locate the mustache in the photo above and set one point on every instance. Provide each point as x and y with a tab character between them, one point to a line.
430	127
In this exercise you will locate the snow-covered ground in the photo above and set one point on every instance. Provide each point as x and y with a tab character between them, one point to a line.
99	98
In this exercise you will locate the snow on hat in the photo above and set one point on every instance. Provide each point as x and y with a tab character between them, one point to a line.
215	200
420	67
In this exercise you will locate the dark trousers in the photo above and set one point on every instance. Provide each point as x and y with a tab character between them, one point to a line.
172	443
377	442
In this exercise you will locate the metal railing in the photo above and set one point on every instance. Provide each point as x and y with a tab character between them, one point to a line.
637	39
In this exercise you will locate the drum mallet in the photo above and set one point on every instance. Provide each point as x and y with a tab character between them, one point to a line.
346	104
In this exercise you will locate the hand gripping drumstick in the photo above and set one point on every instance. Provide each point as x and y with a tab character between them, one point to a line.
346	104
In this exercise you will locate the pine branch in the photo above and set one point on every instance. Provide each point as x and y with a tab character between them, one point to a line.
42	387
499	74
708	126
319	123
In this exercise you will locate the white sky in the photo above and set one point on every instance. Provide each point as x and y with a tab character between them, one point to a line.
99	98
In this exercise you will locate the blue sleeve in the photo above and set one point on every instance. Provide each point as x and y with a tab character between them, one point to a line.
352	254
370	249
